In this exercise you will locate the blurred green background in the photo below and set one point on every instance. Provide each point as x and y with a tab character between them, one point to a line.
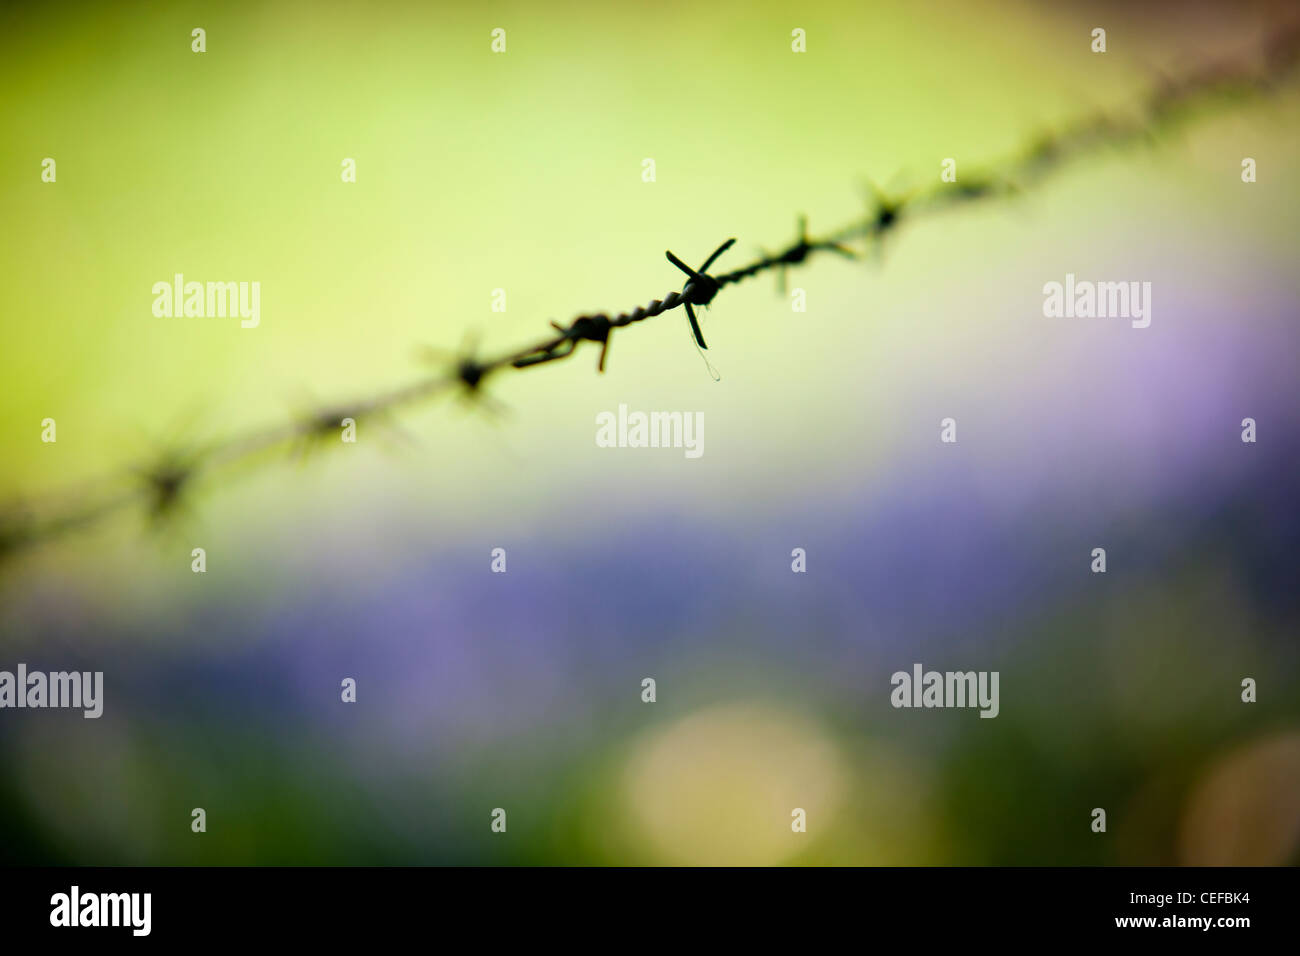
522	171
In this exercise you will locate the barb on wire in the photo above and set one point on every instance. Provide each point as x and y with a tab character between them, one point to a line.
160	486
700	287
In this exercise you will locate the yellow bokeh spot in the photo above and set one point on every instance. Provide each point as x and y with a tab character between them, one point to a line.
1243	811
719	787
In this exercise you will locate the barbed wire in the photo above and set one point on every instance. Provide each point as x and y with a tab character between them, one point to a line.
159	487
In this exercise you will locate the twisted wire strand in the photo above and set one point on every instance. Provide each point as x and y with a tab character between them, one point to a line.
160	486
